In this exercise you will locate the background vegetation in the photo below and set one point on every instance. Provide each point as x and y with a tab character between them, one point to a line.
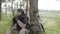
51	23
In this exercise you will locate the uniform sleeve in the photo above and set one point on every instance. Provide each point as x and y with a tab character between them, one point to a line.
14	20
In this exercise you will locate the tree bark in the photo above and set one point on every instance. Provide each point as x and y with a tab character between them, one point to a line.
26	6
0	10
34	19
33	10
6	8
12	7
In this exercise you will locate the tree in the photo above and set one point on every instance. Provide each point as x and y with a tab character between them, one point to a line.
26	6
12	7
33	8
12	1
34	17
0	9
6	8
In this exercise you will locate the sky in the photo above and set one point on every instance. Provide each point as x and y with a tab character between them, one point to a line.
49	4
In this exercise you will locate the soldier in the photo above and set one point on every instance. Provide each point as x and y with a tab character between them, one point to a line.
15	26
20	24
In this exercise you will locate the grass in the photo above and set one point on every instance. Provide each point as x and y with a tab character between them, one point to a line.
51	23
3	27
4	23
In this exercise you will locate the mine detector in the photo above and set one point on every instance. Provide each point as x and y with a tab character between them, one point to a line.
37	27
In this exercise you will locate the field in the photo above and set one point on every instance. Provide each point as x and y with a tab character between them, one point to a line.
51	23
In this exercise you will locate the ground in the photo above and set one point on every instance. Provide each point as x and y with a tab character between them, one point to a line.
51	23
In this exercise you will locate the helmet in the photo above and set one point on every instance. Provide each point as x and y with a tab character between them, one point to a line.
20	10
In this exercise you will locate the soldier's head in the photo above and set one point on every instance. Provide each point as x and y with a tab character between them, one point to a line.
20	11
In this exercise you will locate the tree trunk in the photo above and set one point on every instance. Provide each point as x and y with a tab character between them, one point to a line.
6	8
12	7
26	6
34	19
0	10
33	9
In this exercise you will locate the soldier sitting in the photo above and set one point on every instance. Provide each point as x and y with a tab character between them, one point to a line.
22	25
